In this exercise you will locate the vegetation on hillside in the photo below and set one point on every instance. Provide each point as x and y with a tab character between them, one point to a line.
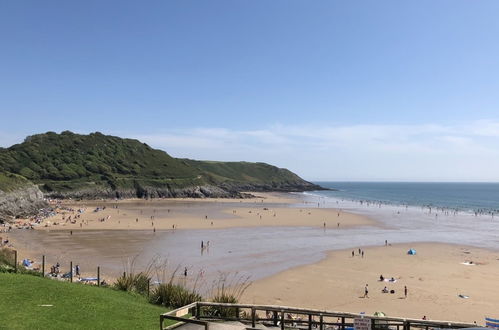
71	162
10	182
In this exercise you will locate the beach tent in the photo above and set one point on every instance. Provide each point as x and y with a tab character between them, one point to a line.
411	252
379	314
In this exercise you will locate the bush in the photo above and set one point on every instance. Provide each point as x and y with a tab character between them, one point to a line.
174	295
228	289
138	283
7	257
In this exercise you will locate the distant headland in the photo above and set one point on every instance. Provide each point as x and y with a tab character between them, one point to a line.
69	165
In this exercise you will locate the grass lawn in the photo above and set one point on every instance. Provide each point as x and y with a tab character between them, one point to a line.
75	306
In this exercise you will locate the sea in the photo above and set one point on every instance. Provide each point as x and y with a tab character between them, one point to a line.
468	197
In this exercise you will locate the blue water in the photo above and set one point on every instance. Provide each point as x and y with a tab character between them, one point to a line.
460	196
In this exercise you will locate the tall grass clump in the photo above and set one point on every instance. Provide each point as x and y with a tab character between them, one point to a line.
134	282
173	294
228	289
6	260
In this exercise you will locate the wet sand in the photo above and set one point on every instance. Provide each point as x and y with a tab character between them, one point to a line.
435	277
258	237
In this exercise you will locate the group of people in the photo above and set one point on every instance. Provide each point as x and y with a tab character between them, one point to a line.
385	289
361	253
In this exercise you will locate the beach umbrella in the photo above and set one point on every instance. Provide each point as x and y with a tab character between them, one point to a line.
411	252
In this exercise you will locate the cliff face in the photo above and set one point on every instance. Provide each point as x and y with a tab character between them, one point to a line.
20	202
148	192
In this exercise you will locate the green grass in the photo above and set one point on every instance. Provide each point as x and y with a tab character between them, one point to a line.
10	182
69	162
75	306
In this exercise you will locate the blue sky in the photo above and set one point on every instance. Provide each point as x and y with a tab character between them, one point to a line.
333	90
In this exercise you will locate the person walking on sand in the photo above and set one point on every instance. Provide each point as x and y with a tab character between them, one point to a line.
405	291
185	272
366	291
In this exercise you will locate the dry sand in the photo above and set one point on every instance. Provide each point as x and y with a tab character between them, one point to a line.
269	209
435	277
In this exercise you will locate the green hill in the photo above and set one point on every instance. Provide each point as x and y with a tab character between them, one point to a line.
97	165
31	302
10	182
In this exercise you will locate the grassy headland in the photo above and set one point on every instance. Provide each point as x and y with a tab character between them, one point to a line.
98	165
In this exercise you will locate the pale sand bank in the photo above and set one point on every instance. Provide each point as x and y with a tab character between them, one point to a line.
269	209
435	277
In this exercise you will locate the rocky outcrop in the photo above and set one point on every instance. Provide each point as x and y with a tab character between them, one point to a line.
224	190
21	202
269	187
203	191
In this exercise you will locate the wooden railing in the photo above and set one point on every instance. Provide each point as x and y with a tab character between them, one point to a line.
292	317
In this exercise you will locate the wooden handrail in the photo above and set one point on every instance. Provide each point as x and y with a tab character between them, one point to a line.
406	323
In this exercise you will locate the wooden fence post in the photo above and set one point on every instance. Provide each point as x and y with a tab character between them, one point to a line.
43	266
15	261
282	319
71	271
321	322
98	275
309	321
253	317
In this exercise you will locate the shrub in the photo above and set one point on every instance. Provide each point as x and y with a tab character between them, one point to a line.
174	295
228	289
138	283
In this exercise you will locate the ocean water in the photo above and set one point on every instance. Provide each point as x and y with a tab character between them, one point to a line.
470	197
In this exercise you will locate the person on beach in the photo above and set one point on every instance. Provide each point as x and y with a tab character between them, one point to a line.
405	291
366	291
185	272
362	253
353	254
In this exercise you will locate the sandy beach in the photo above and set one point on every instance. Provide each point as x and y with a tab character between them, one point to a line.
268	209
435	278
441	283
